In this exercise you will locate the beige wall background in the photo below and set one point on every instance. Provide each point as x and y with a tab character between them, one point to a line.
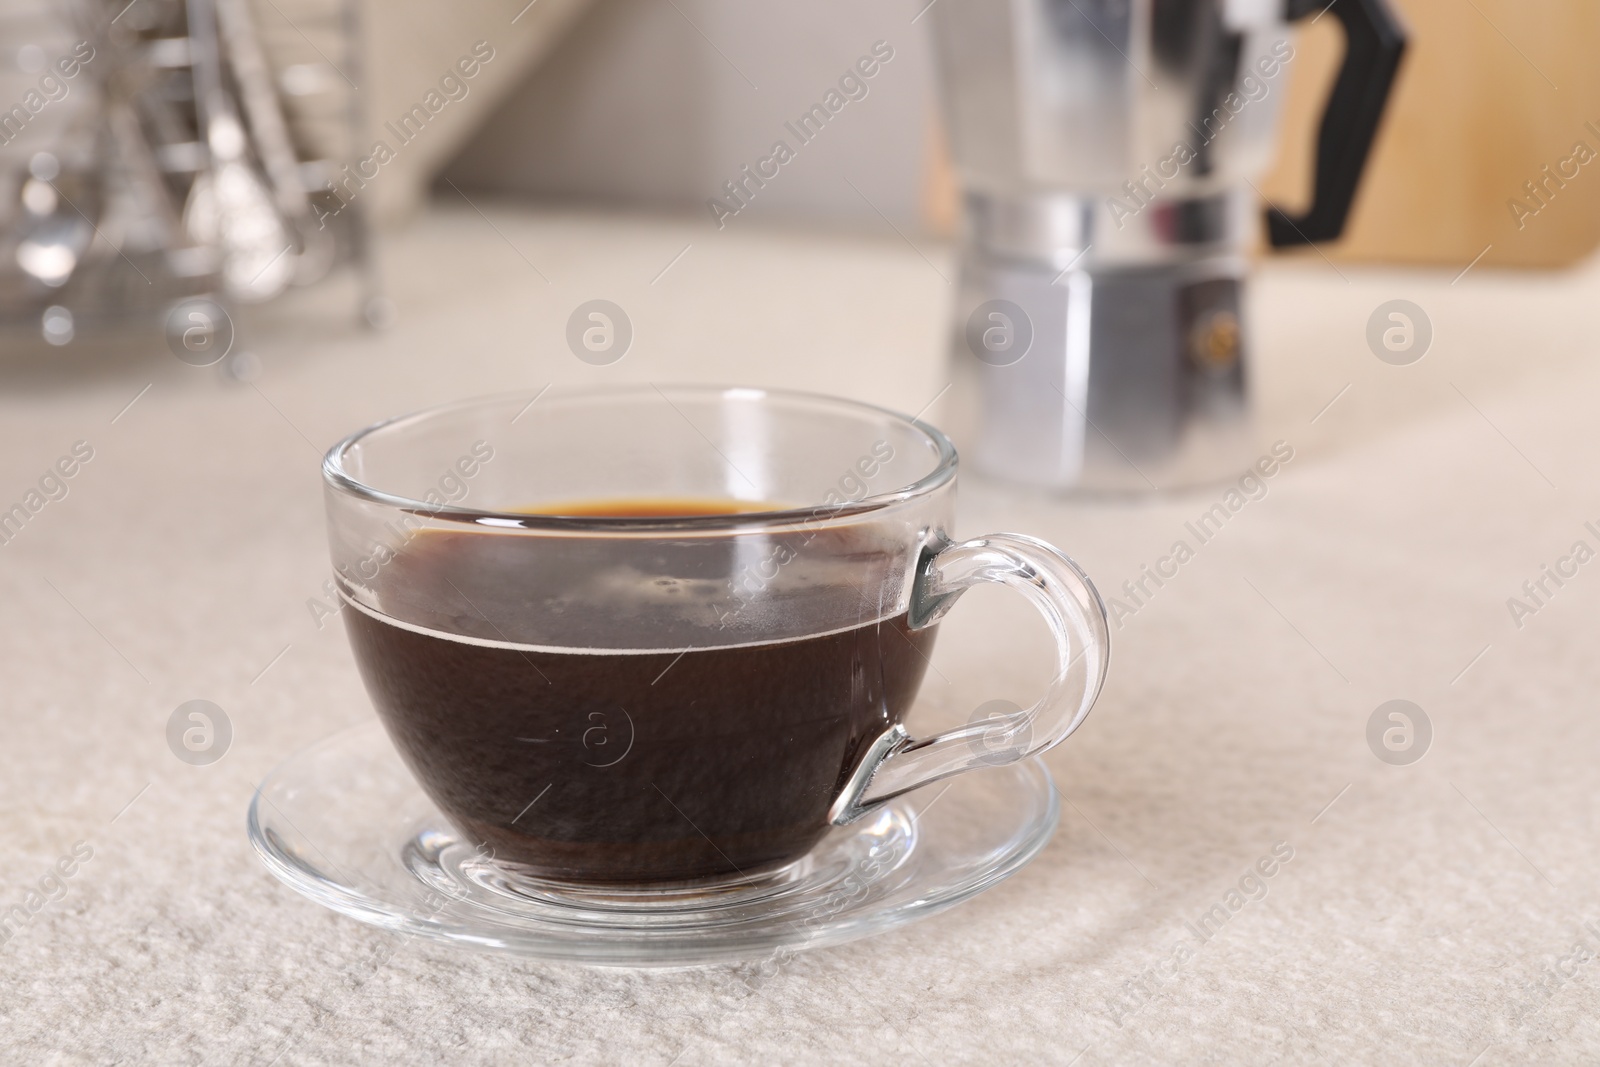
650	104
407	46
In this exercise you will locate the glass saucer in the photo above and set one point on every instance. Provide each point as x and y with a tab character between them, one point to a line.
344	822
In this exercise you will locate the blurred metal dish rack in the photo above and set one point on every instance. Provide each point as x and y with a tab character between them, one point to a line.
154	151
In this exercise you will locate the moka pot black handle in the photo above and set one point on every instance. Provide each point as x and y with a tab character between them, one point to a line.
1374	44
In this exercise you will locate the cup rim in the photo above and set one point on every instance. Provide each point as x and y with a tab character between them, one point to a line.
944	469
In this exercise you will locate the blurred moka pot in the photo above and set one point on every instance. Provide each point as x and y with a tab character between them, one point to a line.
1107	150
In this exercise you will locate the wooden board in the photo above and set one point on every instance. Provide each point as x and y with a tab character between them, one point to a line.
1491	91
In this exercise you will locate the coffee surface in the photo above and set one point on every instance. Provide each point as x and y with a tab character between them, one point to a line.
645	589
663	507
626	765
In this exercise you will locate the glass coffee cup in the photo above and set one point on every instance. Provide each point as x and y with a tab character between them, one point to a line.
657	637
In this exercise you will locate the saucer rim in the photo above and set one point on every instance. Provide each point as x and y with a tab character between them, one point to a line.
1030	775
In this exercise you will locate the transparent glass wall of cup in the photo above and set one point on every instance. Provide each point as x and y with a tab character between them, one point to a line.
769	654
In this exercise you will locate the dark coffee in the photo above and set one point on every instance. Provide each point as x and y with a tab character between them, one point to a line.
626	766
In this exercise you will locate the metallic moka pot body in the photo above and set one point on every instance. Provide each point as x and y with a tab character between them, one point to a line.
1108	152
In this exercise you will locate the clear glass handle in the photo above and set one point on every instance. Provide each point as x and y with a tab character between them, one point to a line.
1070	604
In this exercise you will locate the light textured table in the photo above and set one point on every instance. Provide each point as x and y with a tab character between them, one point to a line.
1431	913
